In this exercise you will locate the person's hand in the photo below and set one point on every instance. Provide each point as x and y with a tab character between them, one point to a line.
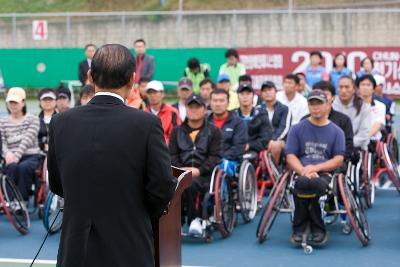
10	158
195	171
310	169
46	147
247	147
312	175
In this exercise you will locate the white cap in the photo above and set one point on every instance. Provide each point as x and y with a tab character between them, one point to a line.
16	94
155	85
48	95
379	79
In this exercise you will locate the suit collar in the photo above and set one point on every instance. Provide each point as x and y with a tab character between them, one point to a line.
106	99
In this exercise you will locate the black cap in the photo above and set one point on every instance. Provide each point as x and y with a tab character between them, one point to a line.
195	98
317	94
63	91
245	87
268	84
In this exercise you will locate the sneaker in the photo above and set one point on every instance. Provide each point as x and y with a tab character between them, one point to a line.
195	227
319	238
296	238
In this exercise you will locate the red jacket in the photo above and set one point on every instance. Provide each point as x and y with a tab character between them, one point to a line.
169	117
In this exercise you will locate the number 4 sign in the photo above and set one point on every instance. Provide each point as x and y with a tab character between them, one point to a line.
39	30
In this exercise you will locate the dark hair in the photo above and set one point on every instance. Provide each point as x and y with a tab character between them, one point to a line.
293	77
112	66
193	63
357	101
338	55
90	45
44	91
316	53
232	52
207	80
346	77
24	109
86	90
325	86
245	78
144	79
367	58
368	77
140	41
268	84
219	91
300	73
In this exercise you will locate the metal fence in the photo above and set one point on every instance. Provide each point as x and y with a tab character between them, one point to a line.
234	28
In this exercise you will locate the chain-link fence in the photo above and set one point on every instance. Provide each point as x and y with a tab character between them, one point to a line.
340	27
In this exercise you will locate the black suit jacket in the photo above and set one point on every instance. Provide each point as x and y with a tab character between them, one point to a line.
83	69
111	164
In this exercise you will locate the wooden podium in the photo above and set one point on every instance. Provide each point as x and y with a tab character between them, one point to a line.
167	231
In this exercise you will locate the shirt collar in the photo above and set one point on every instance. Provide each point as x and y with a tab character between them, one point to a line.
111	94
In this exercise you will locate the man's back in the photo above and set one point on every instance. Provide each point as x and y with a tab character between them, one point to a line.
114	170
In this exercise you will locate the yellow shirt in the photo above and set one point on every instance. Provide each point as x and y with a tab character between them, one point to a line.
233	100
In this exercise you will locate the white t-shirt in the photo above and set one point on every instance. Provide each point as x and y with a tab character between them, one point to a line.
182	111
378	115
298	107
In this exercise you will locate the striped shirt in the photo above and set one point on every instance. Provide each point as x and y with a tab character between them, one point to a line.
20	138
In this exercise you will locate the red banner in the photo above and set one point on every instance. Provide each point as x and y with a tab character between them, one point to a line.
273	63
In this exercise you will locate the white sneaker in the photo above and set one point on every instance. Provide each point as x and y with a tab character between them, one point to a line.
195	227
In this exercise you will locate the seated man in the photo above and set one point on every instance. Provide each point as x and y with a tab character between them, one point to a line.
196	146
234	130
279	117
259	128
315	147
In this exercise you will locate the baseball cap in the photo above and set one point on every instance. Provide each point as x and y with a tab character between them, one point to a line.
155	85
195	98
48	94
223	77
63	91
185	83
317	94
244	87
379	79
268	84
16	94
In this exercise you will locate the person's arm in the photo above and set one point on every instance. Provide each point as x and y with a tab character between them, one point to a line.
4	148
159	184
295	164
361	138
174	149
214	153
239	141
52	166
29	137
376	128
380	120
264	134
292	151
151	68
284	125
81	73
348	133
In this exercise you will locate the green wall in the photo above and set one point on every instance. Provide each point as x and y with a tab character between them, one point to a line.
19	66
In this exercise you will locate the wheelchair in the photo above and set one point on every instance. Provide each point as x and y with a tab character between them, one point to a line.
39	188
51	222
341	190
12	204
229	194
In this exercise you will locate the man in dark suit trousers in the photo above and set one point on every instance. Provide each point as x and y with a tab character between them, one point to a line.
85	65
111	164
144	63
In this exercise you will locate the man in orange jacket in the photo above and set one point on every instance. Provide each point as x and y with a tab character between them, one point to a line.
168	115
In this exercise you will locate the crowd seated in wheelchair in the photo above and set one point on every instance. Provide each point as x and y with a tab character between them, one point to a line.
196	146
315	148
19	136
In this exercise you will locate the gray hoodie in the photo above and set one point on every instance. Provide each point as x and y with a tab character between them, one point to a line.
361	123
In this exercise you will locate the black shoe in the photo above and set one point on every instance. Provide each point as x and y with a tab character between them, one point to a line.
319	238
296	238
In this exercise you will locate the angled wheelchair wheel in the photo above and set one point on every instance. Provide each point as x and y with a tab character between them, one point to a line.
247	191
14	206
392	167
271	209
52	206
354	209
225	214
367	185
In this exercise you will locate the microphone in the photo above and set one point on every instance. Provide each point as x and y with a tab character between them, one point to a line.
45	238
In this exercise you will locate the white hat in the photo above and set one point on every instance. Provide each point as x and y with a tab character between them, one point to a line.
379	79
16	94
155	85
48	95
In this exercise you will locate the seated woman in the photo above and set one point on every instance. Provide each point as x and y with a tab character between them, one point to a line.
19	136
48	105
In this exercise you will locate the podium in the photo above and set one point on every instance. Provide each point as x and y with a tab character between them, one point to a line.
167	231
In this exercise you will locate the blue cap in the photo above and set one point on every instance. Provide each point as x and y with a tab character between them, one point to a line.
223	77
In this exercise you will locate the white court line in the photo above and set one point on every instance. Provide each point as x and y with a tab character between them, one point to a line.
51	262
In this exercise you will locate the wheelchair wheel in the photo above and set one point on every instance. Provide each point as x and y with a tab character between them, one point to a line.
247	191
225	214
368	186
392	167
52	206
271	209
393	147
14	206
355	211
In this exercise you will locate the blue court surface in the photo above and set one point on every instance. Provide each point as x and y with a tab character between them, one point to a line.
242	248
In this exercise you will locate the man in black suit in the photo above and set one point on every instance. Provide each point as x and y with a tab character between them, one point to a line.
144	62
85	65
111	164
